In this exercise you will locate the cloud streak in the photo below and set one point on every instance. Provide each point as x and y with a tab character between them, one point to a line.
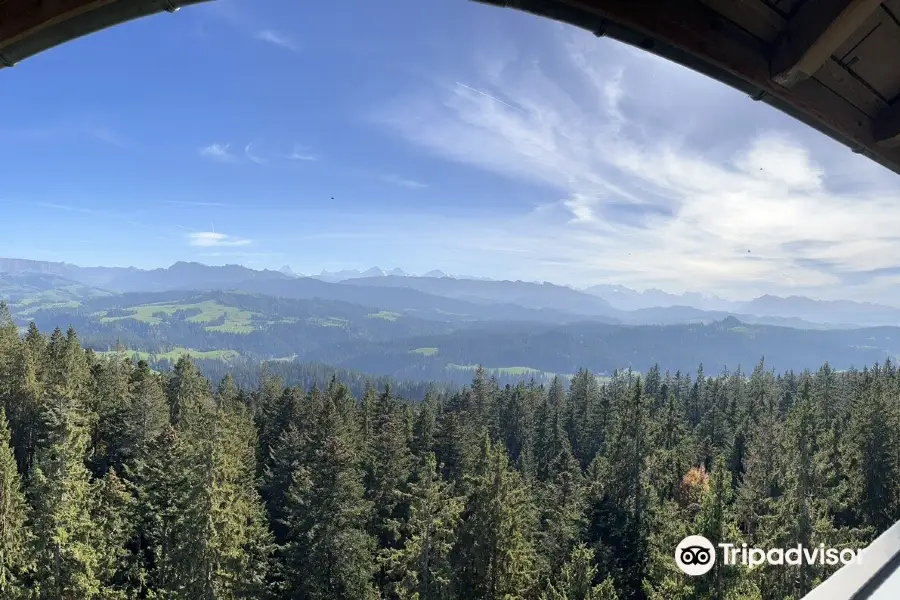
195	203
652	188
223	153
248	152
213	239
409	184
277	39
219	153
301	153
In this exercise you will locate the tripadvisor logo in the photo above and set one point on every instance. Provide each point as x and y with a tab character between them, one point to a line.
696	555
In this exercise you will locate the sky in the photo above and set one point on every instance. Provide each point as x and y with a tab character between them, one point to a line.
427	135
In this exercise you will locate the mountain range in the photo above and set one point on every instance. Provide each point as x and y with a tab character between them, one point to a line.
439	292
436	328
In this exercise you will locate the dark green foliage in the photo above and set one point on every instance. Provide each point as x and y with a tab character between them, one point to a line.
117	482
13	532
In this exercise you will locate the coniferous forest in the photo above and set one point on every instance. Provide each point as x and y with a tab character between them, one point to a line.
118	482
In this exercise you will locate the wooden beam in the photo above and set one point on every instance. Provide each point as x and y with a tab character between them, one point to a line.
693	28
886	127
21	18
755	16
813	35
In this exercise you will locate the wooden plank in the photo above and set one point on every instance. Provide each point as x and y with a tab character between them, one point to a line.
696	30
866	29
875	59
893	8
814	34
16	23
785	7
887	127
835	77
755	16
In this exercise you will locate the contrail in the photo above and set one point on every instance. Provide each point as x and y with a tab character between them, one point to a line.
486	95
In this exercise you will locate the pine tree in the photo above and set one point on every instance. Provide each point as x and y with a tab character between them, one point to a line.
189	395
109	441
9	349
113	515
67	561
236	542
388	469
25	406
13	532
583	397
550	437
760	484
620	507
270	420
576	579
425	425
494	556
717	523
420	568
563	511
328	554
870	464
165	476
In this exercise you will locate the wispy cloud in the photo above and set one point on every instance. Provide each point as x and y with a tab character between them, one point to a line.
278	39
248	152
208	239
488	96
241	254
194	203
247	23
654	189
301	153
219	153
83	129
223	153
107	136
402	182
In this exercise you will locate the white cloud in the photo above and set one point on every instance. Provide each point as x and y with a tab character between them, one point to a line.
194	203
301	153
209	239
241	254
248	152
277	39
654	175
402	182
218	152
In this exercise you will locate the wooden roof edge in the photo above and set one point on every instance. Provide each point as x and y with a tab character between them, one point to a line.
24	35
704	41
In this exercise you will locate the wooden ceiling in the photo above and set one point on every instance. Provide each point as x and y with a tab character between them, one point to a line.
28	27
833	64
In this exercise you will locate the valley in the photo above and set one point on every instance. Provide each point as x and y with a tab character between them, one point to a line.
423	328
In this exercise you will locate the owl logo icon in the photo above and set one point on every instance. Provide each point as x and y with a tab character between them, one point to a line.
695	555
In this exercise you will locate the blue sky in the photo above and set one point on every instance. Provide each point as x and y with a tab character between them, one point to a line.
443	134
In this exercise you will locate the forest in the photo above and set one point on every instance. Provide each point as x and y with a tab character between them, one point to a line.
120	482
253	328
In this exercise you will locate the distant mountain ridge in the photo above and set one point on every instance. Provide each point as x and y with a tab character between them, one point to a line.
181	275
529	295
823	311
528	301
625	298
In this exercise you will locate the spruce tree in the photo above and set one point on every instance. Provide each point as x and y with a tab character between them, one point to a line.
13	513
576	579
420	568
495	557
67	560
328	554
